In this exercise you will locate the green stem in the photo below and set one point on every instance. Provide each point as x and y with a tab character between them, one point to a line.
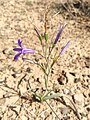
52	110
46	81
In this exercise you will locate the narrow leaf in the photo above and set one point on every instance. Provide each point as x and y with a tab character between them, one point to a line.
46	37
53	96
38	34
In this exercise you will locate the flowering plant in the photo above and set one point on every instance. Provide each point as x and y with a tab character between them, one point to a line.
49	60
47	55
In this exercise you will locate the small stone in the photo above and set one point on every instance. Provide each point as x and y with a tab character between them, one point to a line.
28	70
76	80
79	99
64	110
66	91
62	80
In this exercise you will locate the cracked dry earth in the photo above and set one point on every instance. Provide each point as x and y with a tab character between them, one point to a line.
70	75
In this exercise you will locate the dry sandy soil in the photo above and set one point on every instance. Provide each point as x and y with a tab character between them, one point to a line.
71	73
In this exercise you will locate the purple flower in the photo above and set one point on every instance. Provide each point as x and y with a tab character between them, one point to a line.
22	50
65	48
59	34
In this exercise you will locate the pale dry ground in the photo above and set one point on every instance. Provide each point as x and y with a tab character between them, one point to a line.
71	74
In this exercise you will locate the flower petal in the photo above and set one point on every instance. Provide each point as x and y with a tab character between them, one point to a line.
19	42
59	34
16	56
65	48
17	49
31	51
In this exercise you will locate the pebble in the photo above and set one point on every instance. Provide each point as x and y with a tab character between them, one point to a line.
66	91
79	99
62	80
65	110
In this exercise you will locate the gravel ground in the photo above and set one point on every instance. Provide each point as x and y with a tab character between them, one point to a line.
70	75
